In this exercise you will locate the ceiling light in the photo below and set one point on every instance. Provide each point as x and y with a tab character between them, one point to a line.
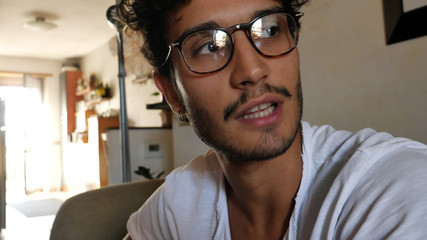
39	25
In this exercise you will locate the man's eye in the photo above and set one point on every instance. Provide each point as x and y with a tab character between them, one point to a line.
272	31
266	32
207	48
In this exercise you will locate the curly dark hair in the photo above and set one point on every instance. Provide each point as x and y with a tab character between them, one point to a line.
148	17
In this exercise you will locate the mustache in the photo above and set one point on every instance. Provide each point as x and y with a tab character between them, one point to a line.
246	95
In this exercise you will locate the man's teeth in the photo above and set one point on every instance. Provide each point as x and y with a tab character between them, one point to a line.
260	111
259	107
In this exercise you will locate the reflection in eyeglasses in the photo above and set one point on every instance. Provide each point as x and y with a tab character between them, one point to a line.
220	39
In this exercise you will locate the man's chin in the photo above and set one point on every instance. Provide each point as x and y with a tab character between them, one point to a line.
256	154
250	157
269	146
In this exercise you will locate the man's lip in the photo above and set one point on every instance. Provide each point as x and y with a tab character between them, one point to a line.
255	102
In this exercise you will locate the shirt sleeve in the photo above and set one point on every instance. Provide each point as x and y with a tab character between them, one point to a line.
149	222
390	201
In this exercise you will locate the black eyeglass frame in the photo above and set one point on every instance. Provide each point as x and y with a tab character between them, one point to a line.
230	31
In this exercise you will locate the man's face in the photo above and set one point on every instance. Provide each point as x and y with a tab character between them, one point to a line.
251	109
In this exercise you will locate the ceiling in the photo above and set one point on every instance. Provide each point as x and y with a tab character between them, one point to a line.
82	27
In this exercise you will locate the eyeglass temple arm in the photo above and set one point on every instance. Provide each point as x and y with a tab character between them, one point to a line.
299	14
167	56
169	52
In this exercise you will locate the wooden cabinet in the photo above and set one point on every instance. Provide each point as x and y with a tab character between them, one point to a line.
70	79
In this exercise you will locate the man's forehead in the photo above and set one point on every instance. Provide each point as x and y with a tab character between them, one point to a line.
224	12
206	7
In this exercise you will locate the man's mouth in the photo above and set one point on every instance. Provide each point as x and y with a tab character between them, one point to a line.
260	111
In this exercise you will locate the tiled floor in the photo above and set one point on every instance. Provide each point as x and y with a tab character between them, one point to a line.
19	226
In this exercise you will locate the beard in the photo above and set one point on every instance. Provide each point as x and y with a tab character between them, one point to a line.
271	143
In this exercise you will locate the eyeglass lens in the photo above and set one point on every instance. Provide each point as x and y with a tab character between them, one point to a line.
210	50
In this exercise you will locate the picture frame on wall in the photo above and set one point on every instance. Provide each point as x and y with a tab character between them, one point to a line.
403	23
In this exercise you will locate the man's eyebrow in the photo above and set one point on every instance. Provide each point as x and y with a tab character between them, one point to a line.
267	11
203	26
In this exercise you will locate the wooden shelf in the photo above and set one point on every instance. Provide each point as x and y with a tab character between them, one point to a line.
84	92
91	103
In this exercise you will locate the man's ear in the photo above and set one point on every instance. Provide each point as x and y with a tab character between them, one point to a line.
168	91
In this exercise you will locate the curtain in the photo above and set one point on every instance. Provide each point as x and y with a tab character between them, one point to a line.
37	142
2	166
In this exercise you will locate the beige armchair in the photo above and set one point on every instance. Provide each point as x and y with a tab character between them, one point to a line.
102	213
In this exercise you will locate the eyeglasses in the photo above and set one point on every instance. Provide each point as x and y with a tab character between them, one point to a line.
210	50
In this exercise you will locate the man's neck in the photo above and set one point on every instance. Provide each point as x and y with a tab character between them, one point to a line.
260	195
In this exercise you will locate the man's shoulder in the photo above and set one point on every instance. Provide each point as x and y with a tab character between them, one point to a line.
189	197
366	183
325	142
194	195
346	157
391	194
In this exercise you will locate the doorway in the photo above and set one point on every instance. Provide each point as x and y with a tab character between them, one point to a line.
14	141
2	168
25	141
28	177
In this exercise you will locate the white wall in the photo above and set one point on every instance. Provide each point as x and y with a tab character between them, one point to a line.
104	63
352	79
140	153
52	101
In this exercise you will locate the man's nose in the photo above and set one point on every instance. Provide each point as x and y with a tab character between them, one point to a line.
248	66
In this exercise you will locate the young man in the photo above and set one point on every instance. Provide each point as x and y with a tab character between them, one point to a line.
231	68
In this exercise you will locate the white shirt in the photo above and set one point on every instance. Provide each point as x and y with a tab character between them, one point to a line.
365	185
